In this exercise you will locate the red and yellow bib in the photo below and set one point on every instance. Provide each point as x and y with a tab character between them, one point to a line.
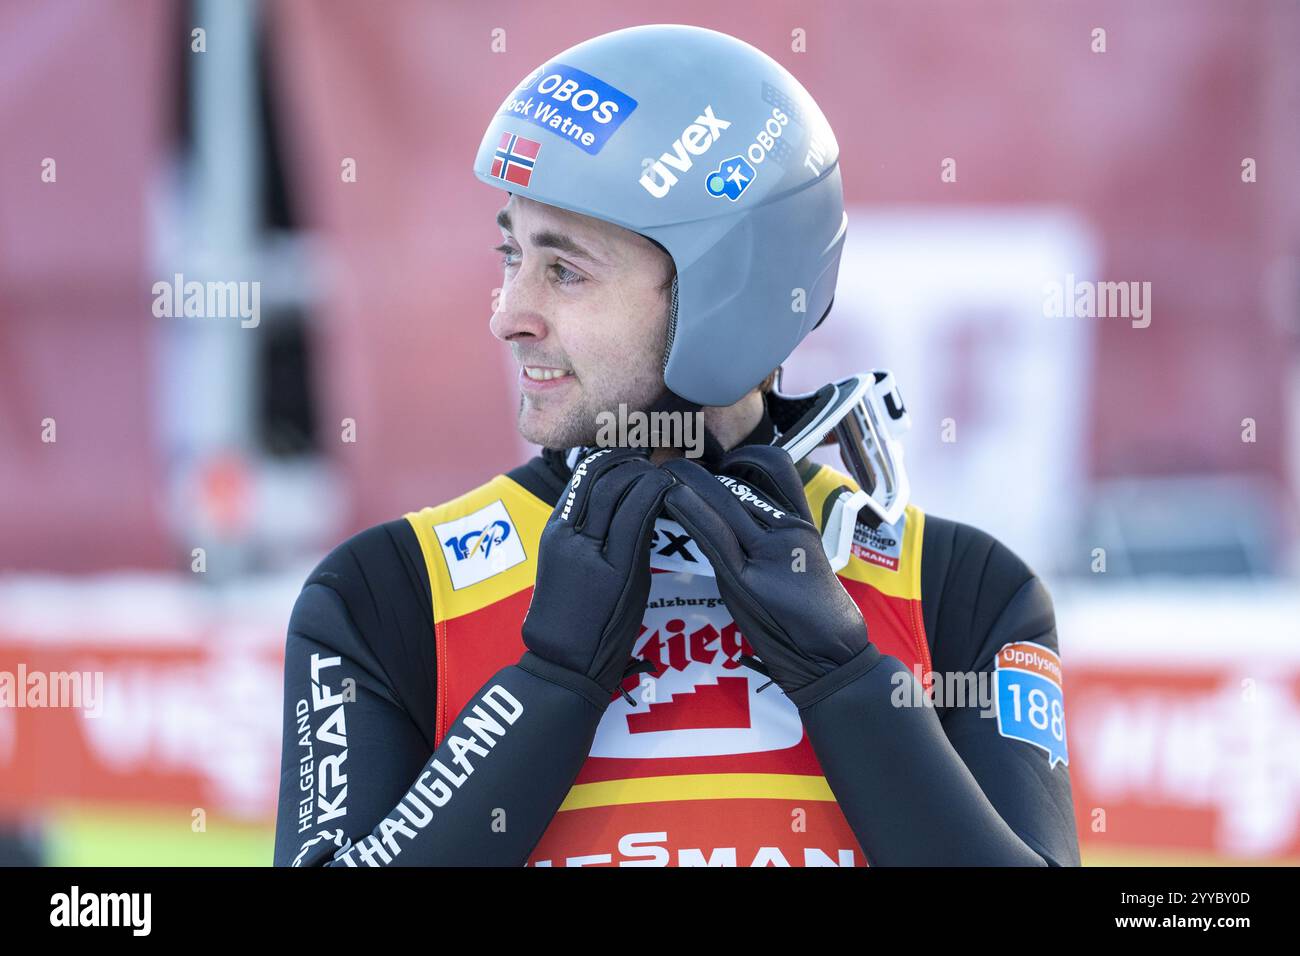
705	769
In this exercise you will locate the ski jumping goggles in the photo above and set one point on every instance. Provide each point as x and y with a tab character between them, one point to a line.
865	416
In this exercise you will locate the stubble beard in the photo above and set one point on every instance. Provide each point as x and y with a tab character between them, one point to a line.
577	425
574	428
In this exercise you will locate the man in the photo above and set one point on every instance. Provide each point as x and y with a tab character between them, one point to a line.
624	655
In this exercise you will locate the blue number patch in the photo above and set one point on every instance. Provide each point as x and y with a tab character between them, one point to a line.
1031	706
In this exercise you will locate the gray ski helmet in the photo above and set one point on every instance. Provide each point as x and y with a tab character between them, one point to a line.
709	147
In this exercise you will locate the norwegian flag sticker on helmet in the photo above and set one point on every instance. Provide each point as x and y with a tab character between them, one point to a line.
515	158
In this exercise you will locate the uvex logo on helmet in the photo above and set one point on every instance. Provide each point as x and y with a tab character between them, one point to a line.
694	141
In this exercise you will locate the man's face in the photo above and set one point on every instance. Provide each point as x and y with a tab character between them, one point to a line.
583	310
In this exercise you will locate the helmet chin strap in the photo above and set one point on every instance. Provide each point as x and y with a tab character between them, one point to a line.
669	401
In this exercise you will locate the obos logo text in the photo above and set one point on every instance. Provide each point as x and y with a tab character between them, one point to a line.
583	109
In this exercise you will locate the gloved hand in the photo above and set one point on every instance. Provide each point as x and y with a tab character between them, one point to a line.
752	521
593	571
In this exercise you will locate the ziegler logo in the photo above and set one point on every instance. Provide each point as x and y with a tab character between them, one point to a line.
679	649
696	139
694	698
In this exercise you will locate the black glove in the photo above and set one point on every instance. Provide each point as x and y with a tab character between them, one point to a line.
752	521
593	572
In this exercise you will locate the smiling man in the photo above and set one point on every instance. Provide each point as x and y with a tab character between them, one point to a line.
583	309
573	664
585	306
